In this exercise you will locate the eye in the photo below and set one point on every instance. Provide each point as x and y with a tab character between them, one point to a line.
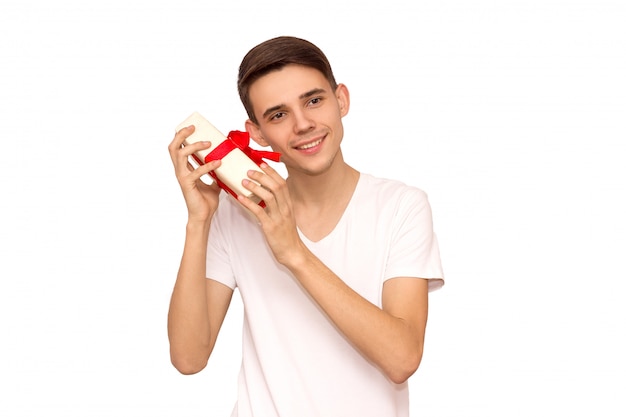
277	116
315	100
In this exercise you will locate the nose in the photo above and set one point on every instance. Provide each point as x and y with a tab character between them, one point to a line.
303	122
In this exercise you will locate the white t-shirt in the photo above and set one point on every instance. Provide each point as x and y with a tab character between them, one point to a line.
295	361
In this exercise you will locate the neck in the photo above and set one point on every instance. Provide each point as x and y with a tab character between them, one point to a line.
325	188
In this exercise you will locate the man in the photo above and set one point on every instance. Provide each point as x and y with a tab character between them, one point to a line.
334	272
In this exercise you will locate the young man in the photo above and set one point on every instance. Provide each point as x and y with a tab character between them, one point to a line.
334	272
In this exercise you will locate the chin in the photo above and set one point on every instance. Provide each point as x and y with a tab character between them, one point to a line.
314	165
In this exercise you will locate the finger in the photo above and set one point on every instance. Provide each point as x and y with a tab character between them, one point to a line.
176	148
258	190
180	137
187	150
191	167
271	180
196	173
264	179
258	211
270	171
273	191
181	156
213	185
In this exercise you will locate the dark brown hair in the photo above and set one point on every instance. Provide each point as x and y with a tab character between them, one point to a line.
273	55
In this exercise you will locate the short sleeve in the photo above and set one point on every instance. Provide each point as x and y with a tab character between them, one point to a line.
218	263
414	250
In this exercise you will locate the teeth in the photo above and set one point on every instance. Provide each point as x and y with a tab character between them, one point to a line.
310	145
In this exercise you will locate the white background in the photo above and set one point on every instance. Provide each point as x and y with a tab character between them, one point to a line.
510	115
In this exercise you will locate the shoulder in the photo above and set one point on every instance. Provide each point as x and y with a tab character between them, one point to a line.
391	192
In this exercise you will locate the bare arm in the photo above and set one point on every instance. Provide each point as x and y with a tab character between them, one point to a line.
198	305
392	337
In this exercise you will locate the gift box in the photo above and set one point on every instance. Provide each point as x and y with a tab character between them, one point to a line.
234	151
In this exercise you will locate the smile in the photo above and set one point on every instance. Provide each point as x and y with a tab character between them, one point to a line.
310	145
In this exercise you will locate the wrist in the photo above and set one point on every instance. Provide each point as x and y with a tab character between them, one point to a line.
298	258
198	224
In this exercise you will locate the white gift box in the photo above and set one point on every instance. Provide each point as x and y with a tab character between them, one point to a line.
235	163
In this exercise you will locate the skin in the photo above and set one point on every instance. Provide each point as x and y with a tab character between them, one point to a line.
300	116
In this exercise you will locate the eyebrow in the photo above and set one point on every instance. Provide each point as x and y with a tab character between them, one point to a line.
308	94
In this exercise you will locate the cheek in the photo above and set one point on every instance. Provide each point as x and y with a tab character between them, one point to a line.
274	137
339	132
337	121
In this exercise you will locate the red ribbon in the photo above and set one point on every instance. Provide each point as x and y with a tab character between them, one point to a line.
240	140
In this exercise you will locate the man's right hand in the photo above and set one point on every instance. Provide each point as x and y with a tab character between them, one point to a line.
201	199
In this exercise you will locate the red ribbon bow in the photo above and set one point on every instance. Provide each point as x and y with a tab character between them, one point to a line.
240	140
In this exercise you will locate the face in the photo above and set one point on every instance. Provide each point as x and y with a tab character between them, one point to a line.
299	115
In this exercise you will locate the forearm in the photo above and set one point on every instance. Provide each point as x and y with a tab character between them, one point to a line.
188	319
392	343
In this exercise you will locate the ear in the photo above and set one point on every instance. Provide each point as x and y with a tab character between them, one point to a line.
343	97
255	133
